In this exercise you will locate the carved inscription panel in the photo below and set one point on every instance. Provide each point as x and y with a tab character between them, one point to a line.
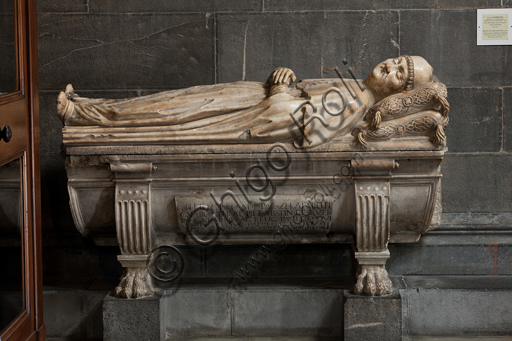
233	215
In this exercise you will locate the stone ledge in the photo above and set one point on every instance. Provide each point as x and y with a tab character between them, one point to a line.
479	338
456	312
257	339
372	318
492	222
453	282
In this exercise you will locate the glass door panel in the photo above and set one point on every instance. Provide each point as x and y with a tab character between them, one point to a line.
11	243
8	54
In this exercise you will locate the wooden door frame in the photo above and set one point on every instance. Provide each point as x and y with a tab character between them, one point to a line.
29	324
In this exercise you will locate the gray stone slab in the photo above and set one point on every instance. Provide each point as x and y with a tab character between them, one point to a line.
304	5
372	318
444	4
56	214
50	127
259	339
476	221
475	120
311	43
134	6
479	338
125	51
447	40
273	283
63	314
60	6
194	261
289	313
92	314
453	282
69	259
478	183
486	236
458	312
6	7
194	269
132	319
491	259
197	312
71	283
103	284
507	119
225	261
331	261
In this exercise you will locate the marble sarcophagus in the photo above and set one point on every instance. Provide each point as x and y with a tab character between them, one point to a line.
324	161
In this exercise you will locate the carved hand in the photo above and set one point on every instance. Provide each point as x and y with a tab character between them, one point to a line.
282	75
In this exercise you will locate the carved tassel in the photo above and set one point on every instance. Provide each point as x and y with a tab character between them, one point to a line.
445	106
361	140
377	119
440	138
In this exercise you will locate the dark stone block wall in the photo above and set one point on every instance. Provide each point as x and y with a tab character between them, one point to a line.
125	48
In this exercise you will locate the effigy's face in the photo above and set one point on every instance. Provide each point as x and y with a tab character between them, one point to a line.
388	76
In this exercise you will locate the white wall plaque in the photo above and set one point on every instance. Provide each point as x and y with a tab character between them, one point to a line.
494	26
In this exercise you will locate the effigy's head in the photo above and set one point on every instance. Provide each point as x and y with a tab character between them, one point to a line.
399	74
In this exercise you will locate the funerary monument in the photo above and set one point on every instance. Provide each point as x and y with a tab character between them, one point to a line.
320	161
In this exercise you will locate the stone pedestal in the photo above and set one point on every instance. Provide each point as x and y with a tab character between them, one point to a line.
132	319
376	318
213	312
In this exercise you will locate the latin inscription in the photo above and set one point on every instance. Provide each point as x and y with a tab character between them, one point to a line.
293	213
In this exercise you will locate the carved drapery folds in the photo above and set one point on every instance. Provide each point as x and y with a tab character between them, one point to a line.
244	112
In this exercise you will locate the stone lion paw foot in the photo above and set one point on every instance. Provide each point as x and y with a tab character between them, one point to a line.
134	284
373	280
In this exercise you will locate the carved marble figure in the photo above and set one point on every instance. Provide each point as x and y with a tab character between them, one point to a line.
139	167
399	97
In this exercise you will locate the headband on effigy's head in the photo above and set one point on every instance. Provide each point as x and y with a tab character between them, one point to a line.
410	74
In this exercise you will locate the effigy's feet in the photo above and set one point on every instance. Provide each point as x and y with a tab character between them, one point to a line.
62	104
70	92
373	280
134	284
